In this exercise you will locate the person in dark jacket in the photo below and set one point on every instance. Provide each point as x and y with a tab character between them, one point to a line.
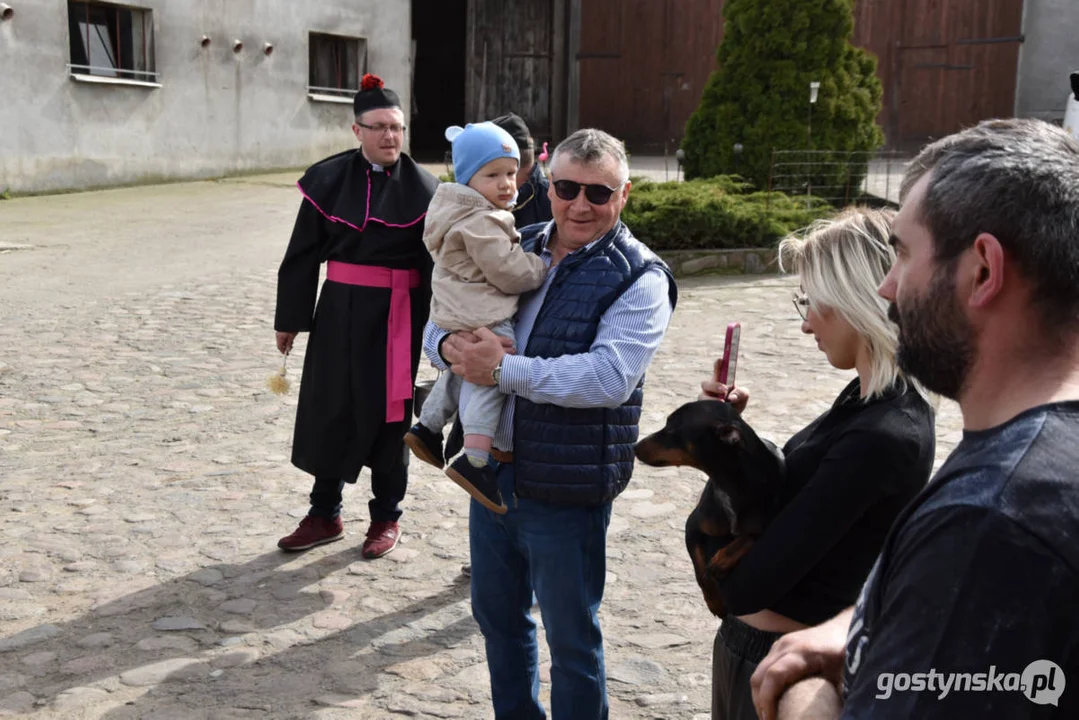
564	446
362	213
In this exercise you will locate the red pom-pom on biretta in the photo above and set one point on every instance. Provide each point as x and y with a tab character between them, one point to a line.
371	82
373	95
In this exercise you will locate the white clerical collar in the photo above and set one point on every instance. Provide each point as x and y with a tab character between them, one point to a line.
376	167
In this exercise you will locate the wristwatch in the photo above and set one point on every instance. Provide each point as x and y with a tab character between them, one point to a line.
442	340
496	374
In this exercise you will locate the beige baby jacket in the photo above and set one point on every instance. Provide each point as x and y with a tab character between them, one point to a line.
480	268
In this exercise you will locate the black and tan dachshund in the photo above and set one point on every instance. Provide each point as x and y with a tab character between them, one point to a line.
745	487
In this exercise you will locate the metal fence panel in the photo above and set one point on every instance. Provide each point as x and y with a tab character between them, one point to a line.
838	177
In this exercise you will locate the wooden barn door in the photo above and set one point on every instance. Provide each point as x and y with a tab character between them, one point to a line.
643	66
955	64
510	52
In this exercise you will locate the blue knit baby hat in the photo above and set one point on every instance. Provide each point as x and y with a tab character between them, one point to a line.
477	144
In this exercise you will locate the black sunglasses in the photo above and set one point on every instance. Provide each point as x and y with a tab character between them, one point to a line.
596	194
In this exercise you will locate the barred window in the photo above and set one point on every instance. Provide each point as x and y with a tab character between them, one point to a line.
336	64
111	40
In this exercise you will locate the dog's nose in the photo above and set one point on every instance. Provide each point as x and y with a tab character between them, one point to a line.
641	451
646	453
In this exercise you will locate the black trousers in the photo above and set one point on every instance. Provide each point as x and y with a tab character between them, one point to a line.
387	486
737	651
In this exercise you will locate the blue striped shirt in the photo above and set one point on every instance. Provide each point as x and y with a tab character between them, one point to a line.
627	339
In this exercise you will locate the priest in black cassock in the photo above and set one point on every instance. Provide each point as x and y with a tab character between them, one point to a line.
362	214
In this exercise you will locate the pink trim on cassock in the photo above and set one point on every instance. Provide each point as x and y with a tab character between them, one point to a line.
409	224
367	210
366	213
331	218
399	327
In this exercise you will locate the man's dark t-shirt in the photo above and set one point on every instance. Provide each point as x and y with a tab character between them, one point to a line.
972	610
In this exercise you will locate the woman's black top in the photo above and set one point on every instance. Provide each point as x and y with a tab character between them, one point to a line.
850	472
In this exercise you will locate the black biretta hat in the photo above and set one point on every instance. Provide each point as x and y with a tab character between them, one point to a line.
373	95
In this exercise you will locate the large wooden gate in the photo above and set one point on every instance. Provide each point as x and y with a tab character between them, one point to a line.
643	65
945	64
510	51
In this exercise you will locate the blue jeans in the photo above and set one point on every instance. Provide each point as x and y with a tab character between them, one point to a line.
557	552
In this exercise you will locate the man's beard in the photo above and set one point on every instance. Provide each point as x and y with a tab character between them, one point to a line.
936	342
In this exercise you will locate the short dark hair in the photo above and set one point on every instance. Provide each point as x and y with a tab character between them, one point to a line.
1017	179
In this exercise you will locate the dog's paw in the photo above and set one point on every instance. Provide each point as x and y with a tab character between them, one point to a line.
724	561
715	602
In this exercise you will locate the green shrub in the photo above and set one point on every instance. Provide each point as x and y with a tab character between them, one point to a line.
759	95
720	212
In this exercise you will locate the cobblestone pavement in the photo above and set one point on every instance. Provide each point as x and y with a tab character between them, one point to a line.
144	482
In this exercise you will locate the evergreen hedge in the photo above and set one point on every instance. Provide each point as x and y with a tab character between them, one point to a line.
720	212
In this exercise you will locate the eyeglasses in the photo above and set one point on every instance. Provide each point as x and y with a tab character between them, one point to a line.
596	194
801	304
380	128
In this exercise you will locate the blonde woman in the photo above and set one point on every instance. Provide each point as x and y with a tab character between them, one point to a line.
850	471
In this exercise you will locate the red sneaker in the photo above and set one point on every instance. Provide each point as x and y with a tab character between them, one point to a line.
311	532
382	537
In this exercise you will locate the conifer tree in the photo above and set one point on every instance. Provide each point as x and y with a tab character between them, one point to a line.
759	95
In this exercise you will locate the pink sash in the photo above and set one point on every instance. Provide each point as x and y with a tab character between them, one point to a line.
399	328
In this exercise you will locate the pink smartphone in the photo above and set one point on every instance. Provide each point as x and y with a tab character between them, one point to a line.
730	355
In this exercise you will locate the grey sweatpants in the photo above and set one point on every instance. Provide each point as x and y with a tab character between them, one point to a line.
480	405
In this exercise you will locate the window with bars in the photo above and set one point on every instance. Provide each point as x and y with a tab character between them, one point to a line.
335	64
111	40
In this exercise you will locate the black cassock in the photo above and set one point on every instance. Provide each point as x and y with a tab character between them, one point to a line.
352	213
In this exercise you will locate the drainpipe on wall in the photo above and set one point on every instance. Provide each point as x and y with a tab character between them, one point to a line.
573	92
1019	64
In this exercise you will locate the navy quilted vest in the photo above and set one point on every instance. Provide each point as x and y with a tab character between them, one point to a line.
580	456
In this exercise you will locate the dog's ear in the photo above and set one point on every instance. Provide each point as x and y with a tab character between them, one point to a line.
727	434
